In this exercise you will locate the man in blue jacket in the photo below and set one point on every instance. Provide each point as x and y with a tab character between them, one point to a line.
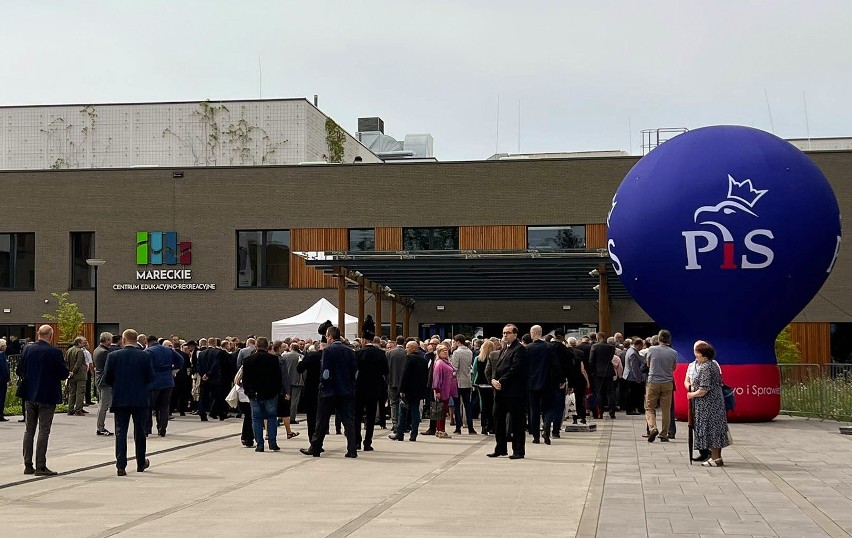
337	393
43	369
165	360
129	371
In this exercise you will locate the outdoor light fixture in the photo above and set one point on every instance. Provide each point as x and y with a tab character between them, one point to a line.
440	307
566	307
594	273
177	175
7	310
96	263
597	287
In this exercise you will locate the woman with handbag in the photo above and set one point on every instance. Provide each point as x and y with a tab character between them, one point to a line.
710	420
444	387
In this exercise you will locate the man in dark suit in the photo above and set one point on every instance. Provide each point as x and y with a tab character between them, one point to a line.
600	358
372	369
541	382
412	390
337	393
42	367
510	395
263	383
129	371
210	370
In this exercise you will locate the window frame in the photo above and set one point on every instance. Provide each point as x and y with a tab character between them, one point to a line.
371	230
13	261
262	259
431	237
557	227
71	261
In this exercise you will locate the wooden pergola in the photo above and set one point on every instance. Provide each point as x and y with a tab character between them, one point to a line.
406	276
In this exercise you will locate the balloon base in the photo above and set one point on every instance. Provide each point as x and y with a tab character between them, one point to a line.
757	388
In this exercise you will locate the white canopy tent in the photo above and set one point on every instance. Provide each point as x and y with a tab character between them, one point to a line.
305	325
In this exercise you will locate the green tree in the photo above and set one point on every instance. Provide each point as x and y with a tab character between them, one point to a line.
786	350
68	318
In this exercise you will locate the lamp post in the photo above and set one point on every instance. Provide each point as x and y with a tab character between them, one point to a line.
96	262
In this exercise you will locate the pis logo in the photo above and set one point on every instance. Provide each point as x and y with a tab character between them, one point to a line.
162	248
741	199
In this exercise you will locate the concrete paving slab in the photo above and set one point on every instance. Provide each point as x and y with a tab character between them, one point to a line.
610	482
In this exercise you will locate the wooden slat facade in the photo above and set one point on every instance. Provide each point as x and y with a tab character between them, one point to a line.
492	237
314	239
814	341
596	235
388	239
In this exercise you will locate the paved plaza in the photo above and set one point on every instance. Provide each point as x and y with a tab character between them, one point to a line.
791	477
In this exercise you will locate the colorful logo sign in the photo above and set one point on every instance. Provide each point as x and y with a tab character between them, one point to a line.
725	234
162	248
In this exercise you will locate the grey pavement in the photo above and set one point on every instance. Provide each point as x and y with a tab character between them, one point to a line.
791	477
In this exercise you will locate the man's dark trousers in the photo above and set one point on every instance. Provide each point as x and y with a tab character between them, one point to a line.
160	400
344	408
606	394
40	415
514	408
539	404
122	423
366	407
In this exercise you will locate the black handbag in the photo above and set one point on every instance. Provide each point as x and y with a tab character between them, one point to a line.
436	412
730	397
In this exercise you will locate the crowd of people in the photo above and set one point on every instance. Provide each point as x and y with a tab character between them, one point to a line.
515	386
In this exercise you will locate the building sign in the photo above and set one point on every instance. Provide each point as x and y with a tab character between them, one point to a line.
160	249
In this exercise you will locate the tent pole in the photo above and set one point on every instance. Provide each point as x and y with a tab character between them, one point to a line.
341	303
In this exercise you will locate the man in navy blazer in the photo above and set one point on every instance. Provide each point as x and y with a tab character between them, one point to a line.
165	360
43	369
129	371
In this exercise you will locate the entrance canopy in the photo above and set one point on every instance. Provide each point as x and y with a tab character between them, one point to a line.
305	325
477	274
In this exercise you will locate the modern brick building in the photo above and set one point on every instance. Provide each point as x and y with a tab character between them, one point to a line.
240	226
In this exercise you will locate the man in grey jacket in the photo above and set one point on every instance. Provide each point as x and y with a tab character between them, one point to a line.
297	380
462	359
396	362
99	358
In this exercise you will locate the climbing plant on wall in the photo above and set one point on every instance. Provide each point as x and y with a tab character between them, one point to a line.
334	139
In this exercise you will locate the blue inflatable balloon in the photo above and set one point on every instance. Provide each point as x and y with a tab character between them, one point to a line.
724	234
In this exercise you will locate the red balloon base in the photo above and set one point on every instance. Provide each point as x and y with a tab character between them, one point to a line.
757	388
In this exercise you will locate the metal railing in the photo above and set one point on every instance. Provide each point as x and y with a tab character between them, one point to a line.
817	390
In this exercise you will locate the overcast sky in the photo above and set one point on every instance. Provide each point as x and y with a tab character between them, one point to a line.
588	75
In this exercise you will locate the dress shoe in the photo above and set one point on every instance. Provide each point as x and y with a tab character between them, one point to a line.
121	472
653	435
428	432
495	455
412	438
29	469
472	432
516	457
664	439
556	435
274	448
457	431
546	437
144	466
368	448
309	452
395	437
258	449
536	441
44	471
182	414
204	419
612	414
351	454
105	433
294	422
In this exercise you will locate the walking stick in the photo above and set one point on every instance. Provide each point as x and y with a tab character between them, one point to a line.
691	436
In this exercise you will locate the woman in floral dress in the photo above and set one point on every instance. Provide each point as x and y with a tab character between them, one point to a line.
711	420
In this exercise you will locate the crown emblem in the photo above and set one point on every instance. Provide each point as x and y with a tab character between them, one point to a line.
744	191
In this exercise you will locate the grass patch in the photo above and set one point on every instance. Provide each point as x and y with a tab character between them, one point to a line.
820	397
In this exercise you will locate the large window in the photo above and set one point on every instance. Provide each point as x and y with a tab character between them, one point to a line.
430	238
17	261
82	248
362	239
263	259
556	237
